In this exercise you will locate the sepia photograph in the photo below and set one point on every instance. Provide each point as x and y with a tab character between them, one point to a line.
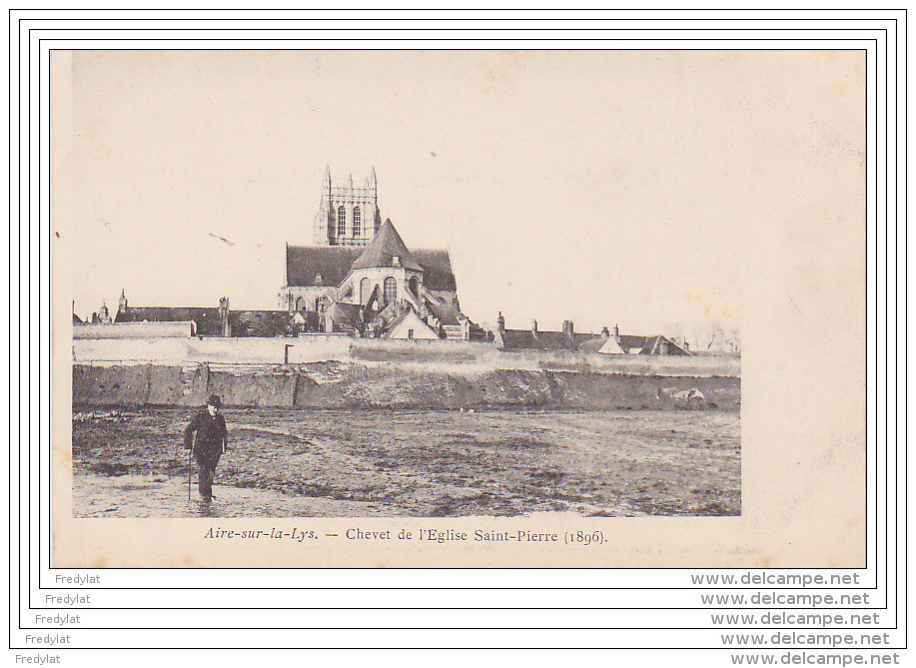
325	289
456	284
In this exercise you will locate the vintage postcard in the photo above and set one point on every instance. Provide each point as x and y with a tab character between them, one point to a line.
533	308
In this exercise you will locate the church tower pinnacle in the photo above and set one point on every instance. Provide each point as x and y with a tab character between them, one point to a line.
348	215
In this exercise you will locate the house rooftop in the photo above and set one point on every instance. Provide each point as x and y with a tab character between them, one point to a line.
525	339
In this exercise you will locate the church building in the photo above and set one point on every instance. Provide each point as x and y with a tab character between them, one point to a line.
361	278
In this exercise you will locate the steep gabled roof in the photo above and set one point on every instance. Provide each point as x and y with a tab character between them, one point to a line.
386	245
612	347
446	314
647	345
653	346
413	318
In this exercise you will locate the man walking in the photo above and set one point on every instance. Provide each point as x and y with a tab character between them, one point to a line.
211	442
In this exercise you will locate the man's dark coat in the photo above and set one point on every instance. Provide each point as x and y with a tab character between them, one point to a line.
212	438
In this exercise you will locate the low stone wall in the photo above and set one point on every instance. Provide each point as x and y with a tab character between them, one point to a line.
350	385
134	330
372	352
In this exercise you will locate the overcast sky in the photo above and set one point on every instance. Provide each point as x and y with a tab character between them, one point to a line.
649	189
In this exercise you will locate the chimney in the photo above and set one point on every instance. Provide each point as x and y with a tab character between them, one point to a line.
568	328
500	323
605	333
225	329
534	328
617	333
395	261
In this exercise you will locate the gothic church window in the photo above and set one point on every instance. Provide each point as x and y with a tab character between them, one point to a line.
356	221
341	221
391	290
364	291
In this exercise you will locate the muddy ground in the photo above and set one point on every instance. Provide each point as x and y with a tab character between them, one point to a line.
421	463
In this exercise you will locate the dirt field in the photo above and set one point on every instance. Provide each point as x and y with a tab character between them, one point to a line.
363	463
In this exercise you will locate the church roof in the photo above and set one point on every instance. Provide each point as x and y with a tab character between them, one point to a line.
333	263
386	245
437	269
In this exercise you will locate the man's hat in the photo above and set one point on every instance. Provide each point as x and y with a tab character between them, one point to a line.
214	400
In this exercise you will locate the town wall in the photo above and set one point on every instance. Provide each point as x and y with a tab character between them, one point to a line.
219	350
435	354
134	330
350	385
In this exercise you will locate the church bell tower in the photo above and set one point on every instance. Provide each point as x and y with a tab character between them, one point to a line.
348	215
